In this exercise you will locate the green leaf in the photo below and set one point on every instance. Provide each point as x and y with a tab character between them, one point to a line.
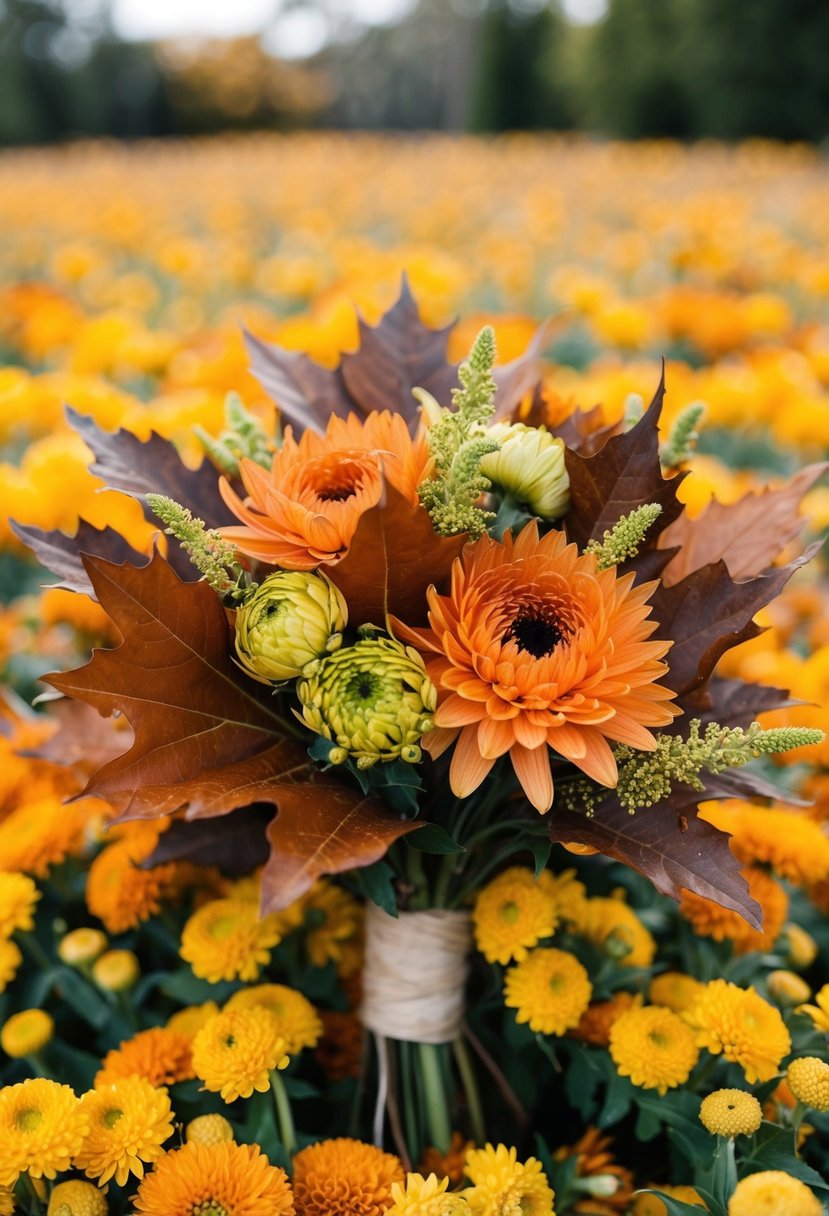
540	850
432	838
775	1156
376	883
648	1124
676	1207
187	988
83	998
298	1089
620	1094
581	1079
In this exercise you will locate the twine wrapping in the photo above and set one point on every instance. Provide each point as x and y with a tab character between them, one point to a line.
415	974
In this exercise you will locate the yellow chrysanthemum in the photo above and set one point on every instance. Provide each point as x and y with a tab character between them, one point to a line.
116	970
773	1193
42	1127
674	990
653	1047
333	920
81	947
77	1198
297	1021
10	960
215	1180
652	1205
819	1013
731	1112
550	989
41	832
18	896
740	1024
710	919
129	1121
504	1186
613	926
118	891
190	1020
208	1129
425	1197
160	1055
7	1201
568	892
808	1079
344	1177
235	1053
512	914
228	940
26	1033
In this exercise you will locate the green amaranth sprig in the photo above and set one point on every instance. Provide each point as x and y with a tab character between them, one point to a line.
457	442
646	778
683	437
623	540
244	437
209	552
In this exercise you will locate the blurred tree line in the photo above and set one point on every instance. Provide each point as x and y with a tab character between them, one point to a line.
684	68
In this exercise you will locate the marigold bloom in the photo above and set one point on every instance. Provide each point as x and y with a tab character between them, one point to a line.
77	1198
425	1197
160	1055
819	1013
550	989
773	1193
613	926
42	1127
189	1021
41	832
306	509
792	843
208	1129
674	990
731	1112
511	914
653	1047
10	960
598	1018
344	1177
235	1053
740	1024
340	1050
18	896
129	1121
536	649
227	940
501	1183
232	1179
26	1033
808	1079
297	1021
121	894
710	919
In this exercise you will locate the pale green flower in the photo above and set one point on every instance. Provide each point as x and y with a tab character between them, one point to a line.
529	466
291	619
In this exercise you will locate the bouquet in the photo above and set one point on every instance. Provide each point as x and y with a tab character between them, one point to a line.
417	637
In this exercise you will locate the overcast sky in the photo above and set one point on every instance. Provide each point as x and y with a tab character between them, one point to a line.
298	32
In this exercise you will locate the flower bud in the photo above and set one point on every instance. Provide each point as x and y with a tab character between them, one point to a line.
293	618
373	700
208	1129
788	989
77	1198
81	947
802	947
26	1033
808	1079
529	466
116	971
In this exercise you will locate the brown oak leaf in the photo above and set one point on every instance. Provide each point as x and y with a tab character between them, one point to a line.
747	535
393	558
625	473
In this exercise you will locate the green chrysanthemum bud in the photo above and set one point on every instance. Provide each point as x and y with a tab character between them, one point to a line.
373	700
292	619
529	466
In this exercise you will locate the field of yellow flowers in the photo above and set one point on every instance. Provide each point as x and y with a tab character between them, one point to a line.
127	277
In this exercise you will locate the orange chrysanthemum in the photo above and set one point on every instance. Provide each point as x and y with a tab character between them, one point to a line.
118	891
305	511
160	1055
235	1179
709	919
344	1178
536	648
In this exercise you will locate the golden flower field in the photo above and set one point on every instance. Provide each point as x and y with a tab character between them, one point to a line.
177	1040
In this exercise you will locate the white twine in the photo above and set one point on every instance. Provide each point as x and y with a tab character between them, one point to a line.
415	973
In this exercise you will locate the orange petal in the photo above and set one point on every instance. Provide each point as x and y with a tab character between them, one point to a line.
468	768
495	736
457	711
532	768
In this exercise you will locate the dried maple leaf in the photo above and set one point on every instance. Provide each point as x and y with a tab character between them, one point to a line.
82	740
625	473
62	554
393	558
747	535
669	844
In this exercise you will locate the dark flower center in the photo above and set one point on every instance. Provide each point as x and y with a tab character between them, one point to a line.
538	635
336	493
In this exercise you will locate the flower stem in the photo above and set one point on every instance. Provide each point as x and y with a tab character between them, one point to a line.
470	1086
437	1114
284	1118
29	1194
